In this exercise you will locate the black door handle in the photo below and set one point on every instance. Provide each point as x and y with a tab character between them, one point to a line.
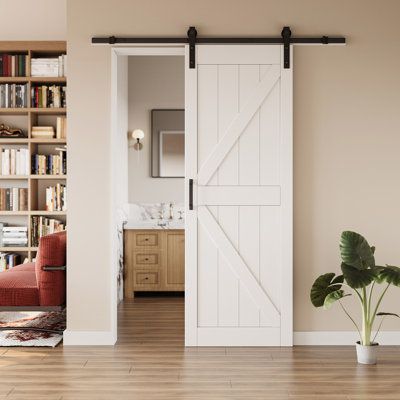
190	194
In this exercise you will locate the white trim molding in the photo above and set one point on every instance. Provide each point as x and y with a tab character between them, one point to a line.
89	338
341	338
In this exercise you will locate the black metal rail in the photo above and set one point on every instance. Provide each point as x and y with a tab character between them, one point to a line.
285	39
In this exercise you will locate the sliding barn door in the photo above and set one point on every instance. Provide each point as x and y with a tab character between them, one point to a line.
239	232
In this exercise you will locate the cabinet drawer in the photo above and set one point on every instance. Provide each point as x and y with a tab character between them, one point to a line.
146	278
151	259
147	239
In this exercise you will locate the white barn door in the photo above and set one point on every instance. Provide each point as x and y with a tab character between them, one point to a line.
239	233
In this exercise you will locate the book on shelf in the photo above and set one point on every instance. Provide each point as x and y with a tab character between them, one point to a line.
48	96
51	164
14	236
44	132
9	260
14	161
13	95
56	198
49	66
42	226
13	199
13	64
61	129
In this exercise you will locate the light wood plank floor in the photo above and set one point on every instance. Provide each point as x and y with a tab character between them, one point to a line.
149	362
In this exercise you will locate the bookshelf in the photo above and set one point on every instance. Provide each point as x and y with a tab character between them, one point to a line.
25	119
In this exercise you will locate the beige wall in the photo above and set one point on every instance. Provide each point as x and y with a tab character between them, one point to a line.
33	19
154	82
346	128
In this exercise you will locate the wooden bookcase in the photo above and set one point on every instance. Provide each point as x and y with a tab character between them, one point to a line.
25	118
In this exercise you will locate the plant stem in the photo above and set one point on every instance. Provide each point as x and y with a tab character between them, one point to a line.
366	327
355	290
378	304
352	320
370	299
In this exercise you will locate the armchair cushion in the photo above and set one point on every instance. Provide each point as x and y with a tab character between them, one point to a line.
51	284
18	286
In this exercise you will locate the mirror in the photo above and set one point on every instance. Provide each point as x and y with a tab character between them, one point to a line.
168	143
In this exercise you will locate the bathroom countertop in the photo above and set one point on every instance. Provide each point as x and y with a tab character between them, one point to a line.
153	224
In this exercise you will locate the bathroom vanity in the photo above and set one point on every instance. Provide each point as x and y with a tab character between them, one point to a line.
154	259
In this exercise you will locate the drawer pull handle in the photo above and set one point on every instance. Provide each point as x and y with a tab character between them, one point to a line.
146	278
146	239
146	259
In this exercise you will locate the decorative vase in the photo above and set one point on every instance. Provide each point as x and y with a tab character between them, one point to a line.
367	354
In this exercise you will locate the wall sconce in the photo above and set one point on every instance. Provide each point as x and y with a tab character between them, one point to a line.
138	134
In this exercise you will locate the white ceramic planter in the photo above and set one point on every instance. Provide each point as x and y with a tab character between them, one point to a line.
367	354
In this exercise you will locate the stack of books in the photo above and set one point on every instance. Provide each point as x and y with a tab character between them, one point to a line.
49	96
42	226
15	236
13	199
56	198
15	161
13	95
50	67
13	64
45	132
61	131
9	260
52	164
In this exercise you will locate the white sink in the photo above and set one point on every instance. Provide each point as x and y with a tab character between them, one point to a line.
155	224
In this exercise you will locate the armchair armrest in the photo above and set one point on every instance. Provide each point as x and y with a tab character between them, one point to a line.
49	268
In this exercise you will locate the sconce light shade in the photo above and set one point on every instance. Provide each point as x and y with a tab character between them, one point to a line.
138	134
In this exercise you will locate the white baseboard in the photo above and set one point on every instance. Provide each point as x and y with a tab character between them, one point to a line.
341	338
89	338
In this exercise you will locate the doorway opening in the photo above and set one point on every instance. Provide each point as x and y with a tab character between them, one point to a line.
149	160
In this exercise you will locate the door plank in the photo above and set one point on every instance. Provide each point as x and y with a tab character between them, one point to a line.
249	140
228	283
237	126
238	265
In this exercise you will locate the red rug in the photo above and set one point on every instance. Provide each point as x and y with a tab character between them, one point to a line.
55	320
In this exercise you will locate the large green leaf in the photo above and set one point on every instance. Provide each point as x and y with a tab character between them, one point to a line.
324	285
390	274
334	296
357	278
356	251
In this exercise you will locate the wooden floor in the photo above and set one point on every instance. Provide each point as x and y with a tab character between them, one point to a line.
150	362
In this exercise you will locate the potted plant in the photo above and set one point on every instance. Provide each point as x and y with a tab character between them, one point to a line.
361	276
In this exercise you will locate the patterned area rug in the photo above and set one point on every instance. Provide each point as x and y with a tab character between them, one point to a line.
49	320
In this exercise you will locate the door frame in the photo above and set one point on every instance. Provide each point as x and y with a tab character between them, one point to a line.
116	216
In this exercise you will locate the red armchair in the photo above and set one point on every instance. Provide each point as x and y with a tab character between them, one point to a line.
38	286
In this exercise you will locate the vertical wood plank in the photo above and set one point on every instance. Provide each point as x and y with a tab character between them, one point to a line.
286	167
270	255
250	252
228	174
228	102
249	141
249	174
207	262
228	284
191	248
270	136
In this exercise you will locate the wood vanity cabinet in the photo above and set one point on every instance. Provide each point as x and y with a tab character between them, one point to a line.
154	261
